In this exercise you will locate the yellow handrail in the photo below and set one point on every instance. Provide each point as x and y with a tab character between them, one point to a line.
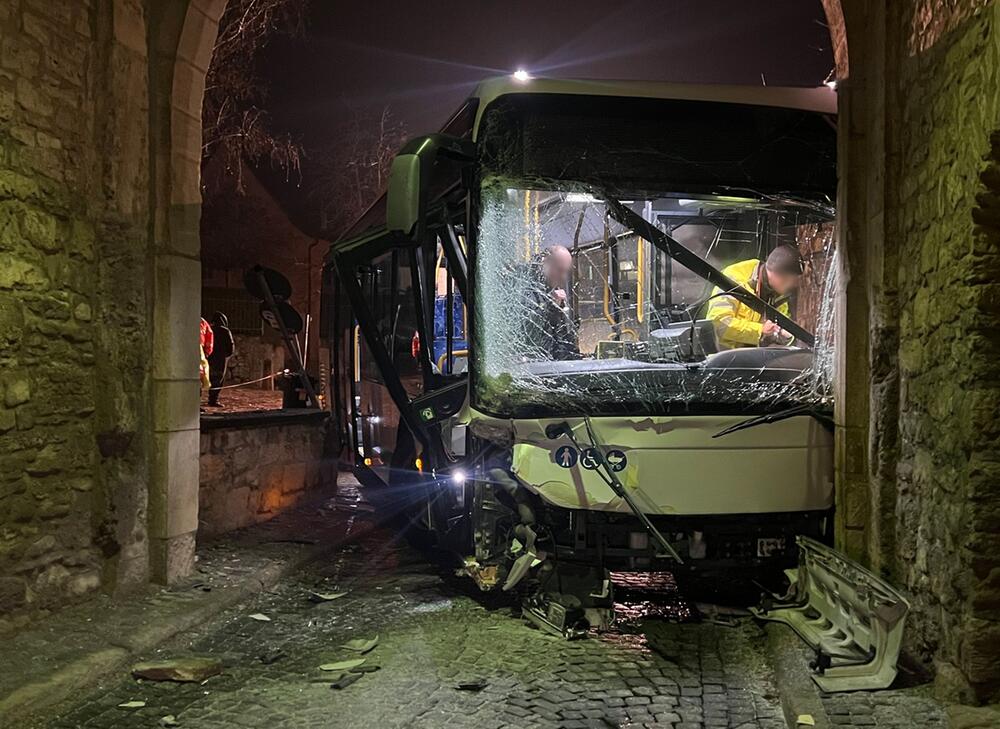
639	290
357	353
455	353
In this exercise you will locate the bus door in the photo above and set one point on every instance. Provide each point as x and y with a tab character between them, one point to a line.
377	277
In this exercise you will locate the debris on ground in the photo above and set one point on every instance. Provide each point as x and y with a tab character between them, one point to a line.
365	669
307	542
169	720
193	669
345	680
805	720
477	684
260	617
342	665
360	645
132	705
325	596
273	656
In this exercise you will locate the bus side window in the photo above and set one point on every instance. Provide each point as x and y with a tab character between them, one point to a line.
449	352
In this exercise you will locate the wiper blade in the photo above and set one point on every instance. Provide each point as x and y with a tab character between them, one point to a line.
699	266
825	420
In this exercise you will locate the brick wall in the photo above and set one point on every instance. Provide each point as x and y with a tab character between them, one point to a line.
250	473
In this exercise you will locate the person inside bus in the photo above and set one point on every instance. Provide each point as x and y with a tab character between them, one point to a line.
773	280
550	332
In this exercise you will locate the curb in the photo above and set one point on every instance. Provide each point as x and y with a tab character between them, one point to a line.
22	705
795	686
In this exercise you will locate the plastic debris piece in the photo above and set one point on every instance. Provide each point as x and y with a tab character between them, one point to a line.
342	665
805	720
360	645
191	669
477	684
345	680
169	720
260	617
132	705
325	596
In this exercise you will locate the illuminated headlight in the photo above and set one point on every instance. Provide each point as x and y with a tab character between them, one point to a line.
458	477
521	75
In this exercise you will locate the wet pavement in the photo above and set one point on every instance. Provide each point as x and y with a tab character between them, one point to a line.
449	656
434	634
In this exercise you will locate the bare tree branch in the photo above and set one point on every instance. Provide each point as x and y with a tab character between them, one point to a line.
235	122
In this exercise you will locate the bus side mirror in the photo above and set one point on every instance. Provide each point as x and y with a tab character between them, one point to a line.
416	171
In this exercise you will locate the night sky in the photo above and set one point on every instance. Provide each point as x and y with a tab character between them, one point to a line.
423	58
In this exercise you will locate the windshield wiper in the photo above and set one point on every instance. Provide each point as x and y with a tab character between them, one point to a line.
609	477
699	266
811	410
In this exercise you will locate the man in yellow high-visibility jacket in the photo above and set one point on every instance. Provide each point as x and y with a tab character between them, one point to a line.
773	280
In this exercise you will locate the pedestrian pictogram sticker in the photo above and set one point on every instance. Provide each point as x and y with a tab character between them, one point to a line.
566	456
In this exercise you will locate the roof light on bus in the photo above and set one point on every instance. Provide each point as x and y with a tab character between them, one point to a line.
522	75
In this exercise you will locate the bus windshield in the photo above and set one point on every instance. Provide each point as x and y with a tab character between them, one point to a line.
577	314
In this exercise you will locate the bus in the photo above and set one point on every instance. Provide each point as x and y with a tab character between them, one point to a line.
533	375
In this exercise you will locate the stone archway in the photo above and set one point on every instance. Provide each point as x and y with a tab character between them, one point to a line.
181	50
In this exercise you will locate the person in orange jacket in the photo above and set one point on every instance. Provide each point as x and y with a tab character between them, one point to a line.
206	341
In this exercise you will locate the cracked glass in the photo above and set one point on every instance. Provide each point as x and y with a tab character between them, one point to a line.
575	313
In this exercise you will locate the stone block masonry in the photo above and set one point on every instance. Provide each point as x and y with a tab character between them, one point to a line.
252	472
920	172
73	309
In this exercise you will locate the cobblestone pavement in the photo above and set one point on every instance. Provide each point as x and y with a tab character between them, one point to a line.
898	708
434	634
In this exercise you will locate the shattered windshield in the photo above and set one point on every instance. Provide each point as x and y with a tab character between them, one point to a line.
577	313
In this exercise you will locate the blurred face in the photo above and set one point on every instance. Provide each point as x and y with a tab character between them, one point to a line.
782	283
556	266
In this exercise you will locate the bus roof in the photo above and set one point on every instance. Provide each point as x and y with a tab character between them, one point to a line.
820	99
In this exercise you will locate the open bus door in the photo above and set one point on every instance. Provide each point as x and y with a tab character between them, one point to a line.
408	347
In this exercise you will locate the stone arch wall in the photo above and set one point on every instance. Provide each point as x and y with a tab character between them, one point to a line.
185	33
919	439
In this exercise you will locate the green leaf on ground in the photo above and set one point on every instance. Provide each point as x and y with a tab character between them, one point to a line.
325	596
342	665
361	645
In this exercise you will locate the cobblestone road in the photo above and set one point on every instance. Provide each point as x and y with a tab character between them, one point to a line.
435	634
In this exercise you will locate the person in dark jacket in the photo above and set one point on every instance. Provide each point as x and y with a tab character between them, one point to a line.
550	333
222	349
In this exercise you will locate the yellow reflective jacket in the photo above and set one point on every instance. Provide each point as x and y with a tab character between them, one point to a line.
736	324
